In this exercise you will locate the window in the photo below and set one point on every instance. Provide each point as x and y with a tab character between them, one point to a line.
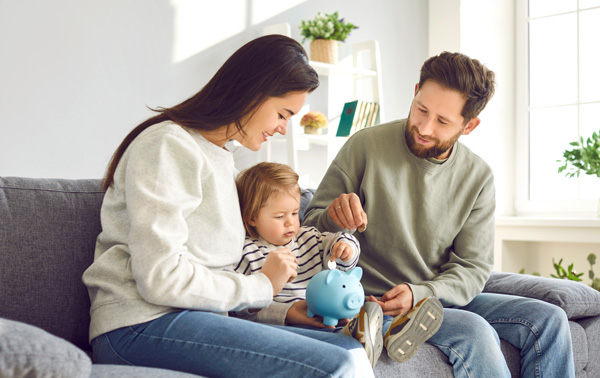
558	100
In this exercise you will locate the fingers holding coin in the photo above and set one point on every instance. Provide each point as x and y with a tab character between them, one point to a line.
346	211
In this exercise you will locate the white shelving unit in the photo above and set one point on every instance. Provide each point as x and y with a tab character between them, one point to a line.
358	78
355	78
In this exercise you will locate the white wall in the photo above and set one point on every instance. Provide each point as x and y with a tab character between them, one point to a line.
76	76
538	256
484	30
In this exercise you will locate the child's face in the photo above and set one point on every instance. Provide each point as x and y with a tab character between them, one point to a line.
277	222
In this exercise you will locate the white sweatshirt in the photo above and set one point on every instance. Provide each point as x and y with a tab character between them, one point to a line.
171	234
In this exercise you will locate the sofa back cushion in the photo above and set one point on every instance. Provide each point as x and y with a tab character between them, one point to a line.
48	230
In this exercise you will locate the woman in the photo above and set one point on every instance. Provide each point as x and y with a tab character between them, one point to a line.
162	280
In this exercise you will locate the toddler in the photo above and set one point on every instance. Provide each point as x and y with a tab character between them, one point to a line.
270	202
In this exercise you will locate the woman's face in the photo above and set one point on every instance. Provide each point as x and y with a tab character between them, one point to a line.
270	118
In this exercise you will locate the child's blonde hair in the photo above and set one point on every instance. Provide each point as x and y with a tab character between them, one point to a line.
255	185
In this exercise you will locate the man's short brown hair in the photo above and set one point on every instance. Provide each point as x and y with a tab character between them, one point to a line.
468	76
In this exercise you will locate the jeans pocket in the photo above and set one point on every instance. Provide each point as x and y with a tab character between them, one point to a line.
105	353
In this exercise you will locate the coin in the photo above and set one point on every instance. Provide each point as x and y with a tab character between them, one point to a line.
331	265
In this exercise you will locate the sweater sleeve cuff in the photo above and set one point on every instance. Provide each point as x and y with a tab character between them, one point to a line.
420	292
264	290
274	314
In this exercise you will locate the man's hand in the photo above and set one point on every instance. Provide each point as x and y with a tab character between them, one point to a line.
341	250
280	267
397	301
347	212
297	315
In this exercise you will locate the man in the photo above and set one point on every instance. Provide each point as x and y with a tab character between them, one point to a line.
430	203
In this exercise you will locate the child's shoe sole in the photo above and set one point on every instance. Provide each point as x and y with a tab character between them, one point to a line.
366	328
413	329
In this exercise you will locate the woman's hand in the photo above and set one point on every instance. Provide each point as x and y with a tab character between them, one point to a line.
347	212
297	315
341	250
280	267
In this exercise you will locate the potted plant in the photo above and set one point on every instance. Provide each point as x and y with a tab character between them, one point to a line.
324	32
313	122
583	157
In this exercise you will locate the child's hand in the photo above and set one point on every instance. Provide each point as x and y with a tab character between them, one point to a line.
297	315
280	267
341	250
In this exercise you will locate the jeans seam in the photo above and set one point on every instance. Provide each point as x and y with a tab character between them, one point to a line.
138	334
534	332
462	358
114	351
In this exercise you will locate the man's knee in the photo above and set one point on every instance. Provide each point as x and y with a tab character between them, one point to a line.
465	326
546	314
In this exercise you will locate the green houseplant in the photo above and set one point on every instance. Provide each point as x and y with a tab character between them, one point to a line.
584	156
324	32
570	274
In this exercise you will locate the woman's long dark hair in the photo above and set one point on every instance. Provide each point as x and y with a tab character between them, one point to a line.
269	66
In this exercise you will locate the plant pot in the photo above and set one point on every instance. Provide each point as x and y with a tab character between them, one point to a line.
324	50
312	130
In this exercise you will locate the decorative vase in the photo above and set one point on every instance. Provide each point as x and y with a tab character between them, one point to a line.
324	50
312	130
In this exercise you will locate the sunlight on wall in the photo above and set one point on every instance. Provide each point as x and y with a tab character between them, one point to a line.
263	10
198	28
487	34
444	26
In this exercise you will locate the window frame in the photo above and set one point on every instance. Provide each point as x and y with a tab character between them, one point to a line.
524	206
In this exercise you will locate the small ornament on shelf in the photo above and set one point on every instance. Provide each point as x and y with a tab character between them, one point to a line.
314	122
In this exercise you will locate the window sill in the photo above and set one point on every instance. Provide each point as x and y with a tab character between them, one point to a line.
530	221
543	229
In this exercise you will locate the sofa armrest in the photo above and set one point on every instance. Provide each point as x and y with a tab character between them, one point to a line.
578	300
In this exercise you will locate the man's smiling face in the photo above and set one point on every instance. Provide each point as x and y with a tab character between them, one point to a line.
435	122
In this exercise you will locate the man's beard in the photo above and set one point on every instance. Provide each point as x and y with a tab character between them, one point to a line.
438	148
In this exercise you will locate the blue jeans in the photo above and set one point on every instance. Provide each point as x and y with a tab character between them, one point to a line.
213	345
469	337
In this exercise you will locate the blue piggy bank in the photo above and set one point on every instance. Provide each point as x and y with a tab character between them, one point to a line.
335	295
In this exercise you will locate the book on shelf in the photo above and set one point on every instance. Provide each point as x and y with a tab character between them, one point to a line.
357	115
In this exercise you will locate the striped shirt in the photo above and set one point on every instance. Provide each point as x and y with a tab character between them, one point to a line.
312	249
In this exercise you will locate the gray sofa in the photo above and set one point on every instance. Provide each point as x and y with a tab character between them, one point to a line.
48	229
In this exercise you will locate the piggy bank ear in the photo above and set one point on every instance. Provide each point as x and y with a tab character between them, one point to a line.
332	275
356	272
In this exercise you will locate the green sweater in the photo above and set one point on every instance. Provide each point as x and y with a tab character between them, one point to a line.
430	225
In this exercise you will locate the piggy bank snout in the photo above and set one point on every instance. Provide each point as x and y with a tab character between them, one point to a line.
354	301
335	295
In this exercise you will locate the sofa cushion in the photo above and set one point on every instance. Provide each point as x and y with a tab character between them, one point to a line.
578	300
591	326
126	371
48	231
306	195
27	351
